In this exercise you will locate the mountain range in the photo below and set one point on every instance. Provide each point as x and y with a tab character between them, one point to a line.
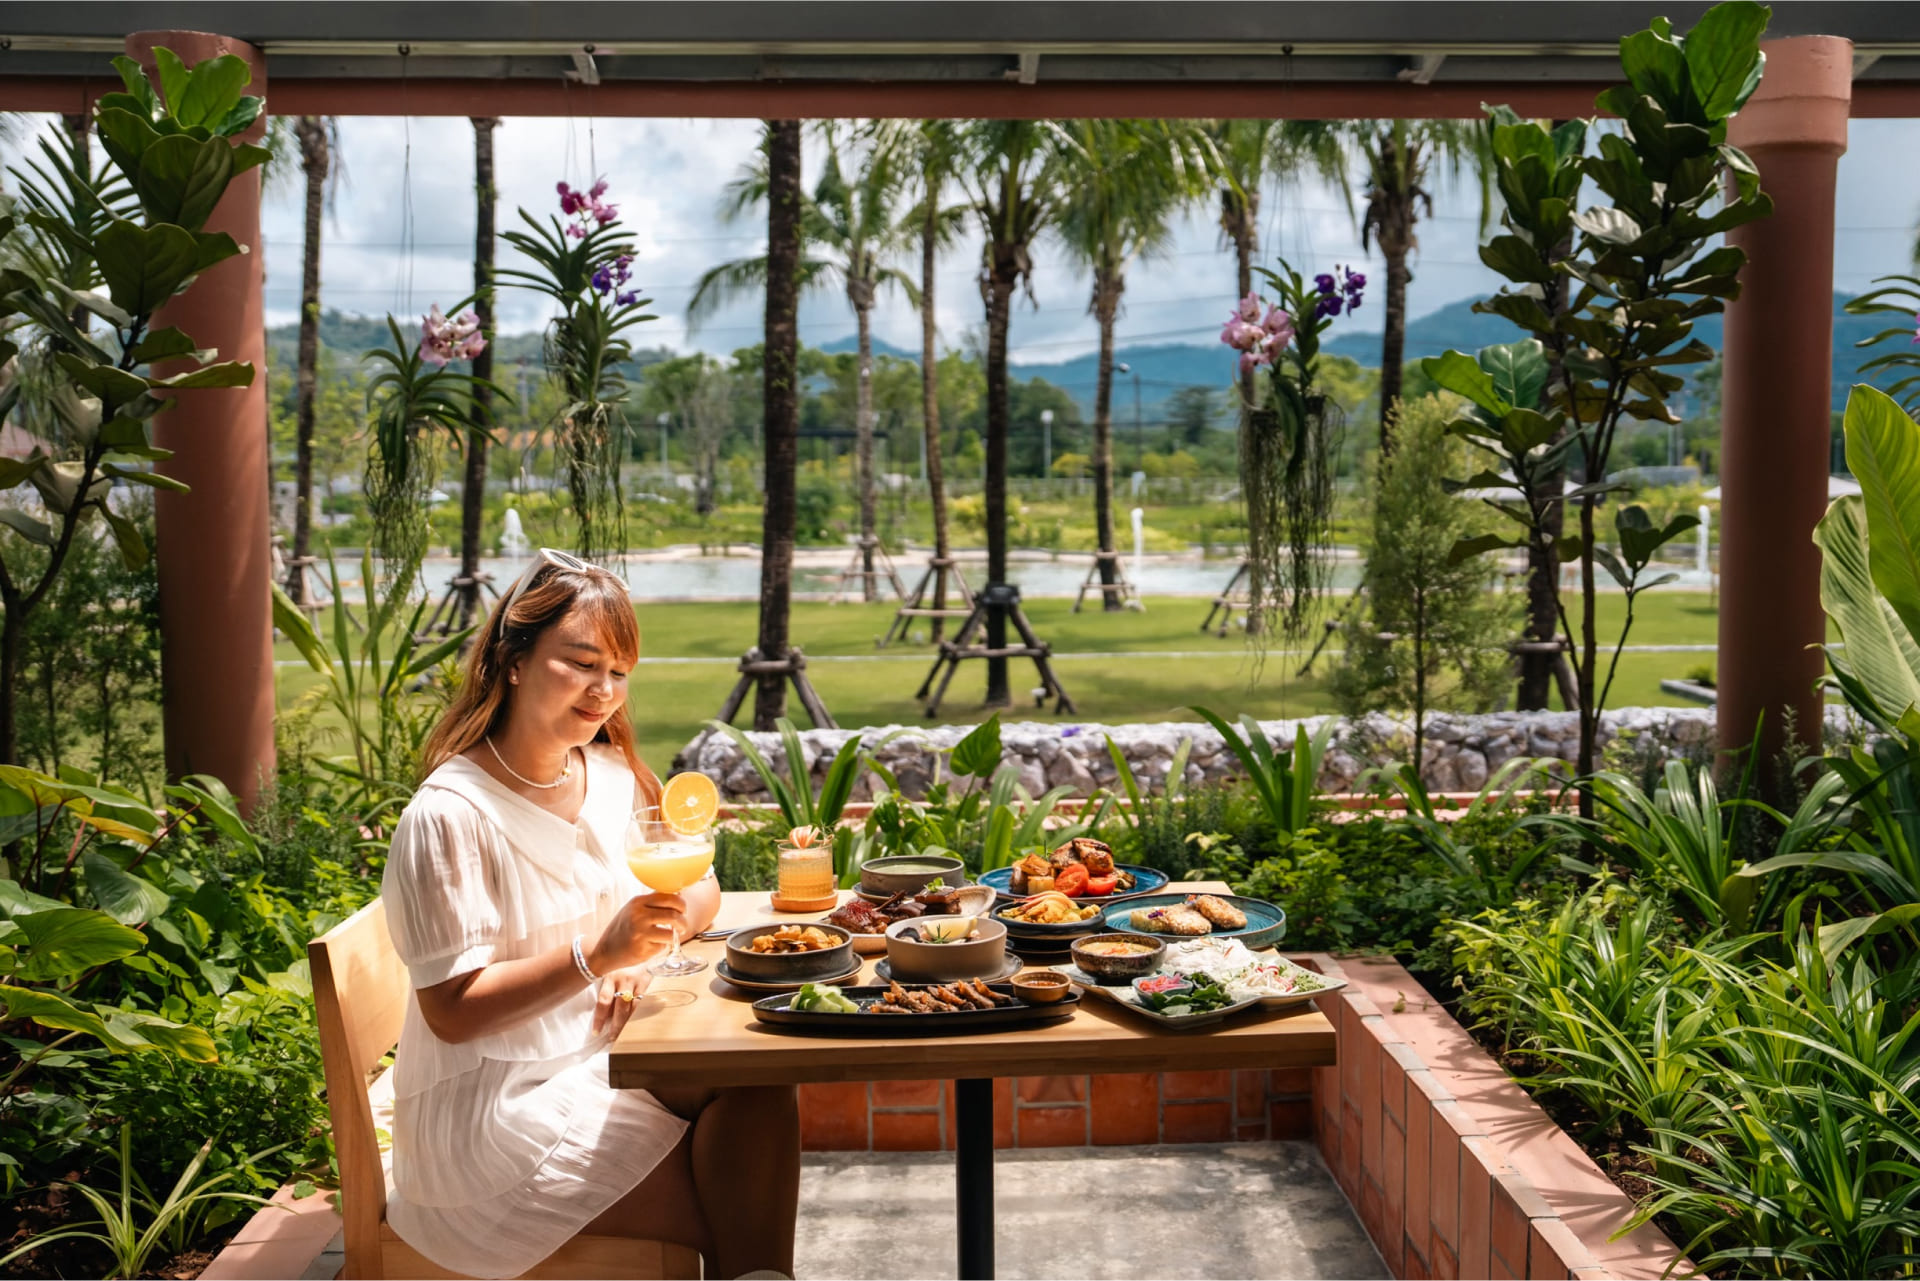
1156	371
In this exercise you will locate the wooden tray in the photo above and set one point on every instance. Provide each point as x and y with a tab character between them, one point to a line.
774	1011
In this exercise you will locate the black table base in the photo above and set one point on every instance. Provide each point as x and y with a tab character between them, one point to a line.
973	1176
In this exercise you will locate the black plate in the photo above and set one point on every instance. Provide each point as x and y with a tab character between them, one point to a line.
749	984
773	1010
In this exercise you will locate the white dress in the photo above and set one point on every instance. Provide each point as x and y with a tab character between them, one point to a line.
507	1145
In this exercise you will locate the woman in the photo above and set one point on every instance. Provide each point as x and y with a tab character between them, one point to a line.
525	937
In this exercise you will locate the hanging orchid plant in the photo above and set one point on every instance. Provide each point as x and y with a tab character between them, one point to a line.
416	403
1292	433
582	259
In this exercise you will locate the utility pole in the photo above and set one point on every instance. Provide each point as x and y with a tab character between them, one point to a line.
1046	448
1139	432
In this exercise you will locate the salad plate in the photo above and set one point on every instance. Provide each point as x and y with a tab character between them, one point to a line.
1225	972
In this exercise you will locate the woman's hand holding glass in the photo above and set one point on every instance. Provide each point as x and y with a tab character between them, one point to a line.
643	927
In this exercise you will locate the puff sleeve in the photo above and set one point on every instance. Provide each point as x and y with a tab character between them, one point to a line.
443	908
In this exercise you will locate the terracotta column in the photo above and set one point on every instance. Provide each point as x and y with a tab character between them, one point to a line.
1777	391
215	606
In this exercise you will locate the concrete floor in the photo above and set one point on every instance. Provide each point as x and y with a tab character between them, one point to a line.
1212	1210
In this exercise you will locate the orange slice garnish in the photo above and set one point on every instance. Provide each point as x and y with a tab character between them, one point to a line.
689	803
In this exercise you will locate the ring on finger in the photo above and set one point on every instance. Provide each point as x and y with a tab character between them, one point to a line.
625	996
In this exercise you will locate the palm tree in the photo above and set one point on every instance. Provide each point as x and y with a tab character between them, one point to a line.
933	148
1011	171
473	492
1399	155
1127	180
848	233
781	401
319	138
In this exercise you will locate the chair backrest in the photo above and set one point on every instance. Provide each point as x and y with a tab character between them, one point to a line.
360	996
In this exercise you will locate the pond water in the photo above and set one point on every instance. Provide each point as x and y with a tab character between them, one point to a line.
680	576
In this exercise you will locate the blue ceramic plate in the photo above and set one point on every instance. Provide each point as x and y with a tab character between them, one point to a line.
1266	923
1146	881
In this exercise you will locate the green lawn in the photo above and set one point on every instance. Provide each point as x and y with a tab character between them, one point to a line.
1166	664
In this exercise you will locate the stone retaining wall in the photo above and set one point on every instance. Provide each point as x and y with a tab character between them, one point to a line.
1461	750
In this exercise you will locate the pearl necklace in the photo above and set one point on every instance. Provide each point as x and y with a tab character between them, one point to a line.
565	774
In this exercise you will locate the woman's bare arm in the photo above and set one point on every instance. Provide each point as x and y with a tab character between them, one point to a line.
497	996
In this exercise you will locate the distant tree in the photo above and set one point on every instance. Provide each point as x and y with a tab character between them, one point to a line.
473	493
1431	632
1400	156
1190	414
698	392
319	138
1126	181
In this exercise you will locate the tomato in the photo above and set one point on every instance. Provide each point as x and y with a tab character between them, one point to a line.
1101	886
1072	882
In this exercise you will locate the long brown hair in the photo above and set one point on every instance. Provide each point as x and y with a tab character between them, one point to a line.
480	705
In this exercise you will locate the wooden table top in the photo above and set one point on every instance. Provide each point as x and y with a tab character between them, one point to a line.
716	1041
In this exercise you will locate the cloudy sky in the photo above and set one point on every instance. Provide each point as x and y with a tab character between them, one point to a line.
400	234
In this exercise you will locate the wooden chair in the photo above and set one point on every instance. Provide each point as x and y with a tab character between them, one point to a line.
360	992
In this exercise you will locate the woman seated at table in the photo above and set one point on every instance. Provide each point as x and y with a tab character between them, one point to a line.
525	936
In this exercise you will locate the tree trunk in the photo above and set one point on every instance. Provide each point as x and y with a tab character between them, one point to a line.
315	160
1000	284
1589	656
1393	342
1543	554
1108	285
781	404
1242	220
473	494
862	294
12	634
930	399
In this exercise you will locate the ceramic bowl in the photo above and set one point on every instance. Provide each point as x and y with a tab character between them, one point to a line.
1040	987
788	967
979	957
910	872
1118	968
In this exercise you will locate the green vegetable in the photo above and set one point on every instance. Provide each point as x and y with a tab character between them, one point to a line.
825	998
1206	995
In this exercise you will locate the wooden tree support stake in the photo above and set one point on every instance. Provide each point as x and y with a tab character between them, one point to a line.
754	665
857	572
447	613
1121	586
995	595
941	575
1232	597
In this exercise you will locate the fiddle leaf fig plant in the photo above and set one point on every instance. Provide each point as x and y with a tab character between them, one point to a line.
87	259
1609	295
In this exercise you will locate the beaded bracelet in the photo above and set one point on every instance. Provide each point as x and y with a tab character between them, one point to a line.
580	960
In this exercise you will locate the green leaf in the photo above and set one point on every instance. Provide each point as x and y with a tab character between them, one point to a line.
162	344
1883	452
217	806
122	1030
1457	372
15	471
114	387
1881	653
292	622
34	531
1723	56
1656	68
181	179
139	88
978	754
127	898
65	941
144	266
1467	548
1515	259
124	135
1518	371
212	91
228	373
174	78
1614	226
134	552
151	479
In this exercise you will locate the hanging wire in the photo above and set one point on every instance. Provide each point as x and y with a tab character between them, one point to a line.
403	284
